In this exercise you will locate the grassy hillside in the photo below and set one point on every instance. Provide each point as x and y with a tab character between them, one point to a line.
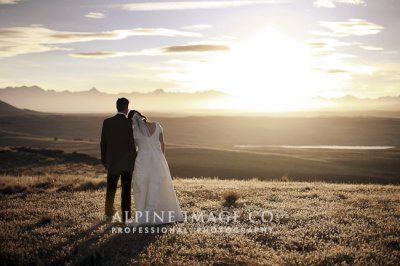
206	146
313	224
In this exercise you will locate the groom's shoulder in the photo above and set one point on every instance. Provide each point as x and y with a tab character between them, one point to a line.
116	119
109	120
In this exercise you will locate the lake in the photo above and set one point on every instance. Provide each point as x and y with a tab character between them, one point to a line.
326	147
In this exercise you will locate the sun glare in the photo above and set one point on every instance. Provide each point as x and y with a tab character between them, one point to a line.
268	72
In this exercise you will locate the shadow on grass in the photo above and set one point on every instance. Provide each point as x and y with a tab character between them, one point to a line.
119	249
102	247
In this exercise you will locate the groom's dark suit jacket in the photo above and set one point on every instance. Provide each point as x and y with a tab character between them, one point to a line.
118	152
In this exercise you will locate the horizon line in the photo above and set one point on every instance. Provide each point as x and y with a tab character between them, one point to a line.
162	90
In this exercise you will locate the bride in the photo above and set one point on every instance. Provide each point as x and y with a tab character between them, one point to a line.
154	194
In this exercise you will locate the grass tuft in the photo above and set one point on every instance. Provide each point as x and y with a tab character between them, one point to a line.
44	221
285	178
231	198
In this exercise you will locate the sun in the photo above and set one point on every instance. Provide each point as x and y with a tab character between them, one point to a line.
268	72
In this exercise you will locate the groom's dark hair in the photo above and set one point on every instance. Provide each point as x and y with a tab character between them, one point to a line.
122	104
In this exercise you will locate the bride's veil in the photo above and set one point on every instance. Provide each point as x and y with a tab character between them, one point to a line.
139	125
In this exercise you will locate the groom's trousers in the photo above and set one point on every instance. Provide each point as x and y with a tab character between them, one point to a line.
126	185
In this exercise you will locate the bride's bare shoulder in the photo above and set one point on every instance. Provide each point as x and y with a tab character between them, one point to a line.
158	125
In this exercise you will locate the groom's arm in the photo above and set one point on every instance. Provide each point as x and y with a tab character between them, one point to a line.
162	143
132	146
103	146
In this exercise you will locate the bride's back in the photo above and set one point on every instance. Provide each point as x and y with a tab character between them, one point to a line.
151	126
150	141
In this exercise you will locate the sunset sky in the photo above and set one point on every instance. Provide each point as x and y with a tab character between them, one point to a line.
281	50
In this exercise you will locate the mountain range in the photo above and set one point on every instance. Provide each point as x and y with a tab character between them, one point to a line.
160	101
94	101
352	103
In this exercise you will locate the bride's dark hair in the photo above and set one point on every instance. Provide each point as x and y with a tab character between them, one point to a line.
132	113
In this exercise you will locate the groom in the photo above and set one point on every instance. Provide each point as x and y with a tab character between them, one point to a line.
118	154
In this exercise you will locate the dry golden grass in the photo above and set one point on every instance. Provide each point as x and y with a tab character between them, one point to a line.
313	224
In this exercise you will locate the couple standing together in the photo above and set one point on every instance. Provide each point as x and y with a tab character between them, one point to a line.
133	148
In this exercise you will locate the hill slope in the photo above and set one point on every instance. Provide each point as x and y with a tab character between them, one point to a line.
7	109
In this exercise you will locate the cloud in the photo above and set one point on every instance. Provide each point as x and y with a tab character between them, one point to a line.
334	56
195	48
358	27
337	71
190	5
178	49
332	3
36	38
346	70
371	48
197	27
325	33
333	70
9	2
102	54
327	44
95	15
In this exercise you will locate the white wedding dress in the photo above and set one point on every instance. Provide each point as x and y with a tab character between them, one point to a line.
154	194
